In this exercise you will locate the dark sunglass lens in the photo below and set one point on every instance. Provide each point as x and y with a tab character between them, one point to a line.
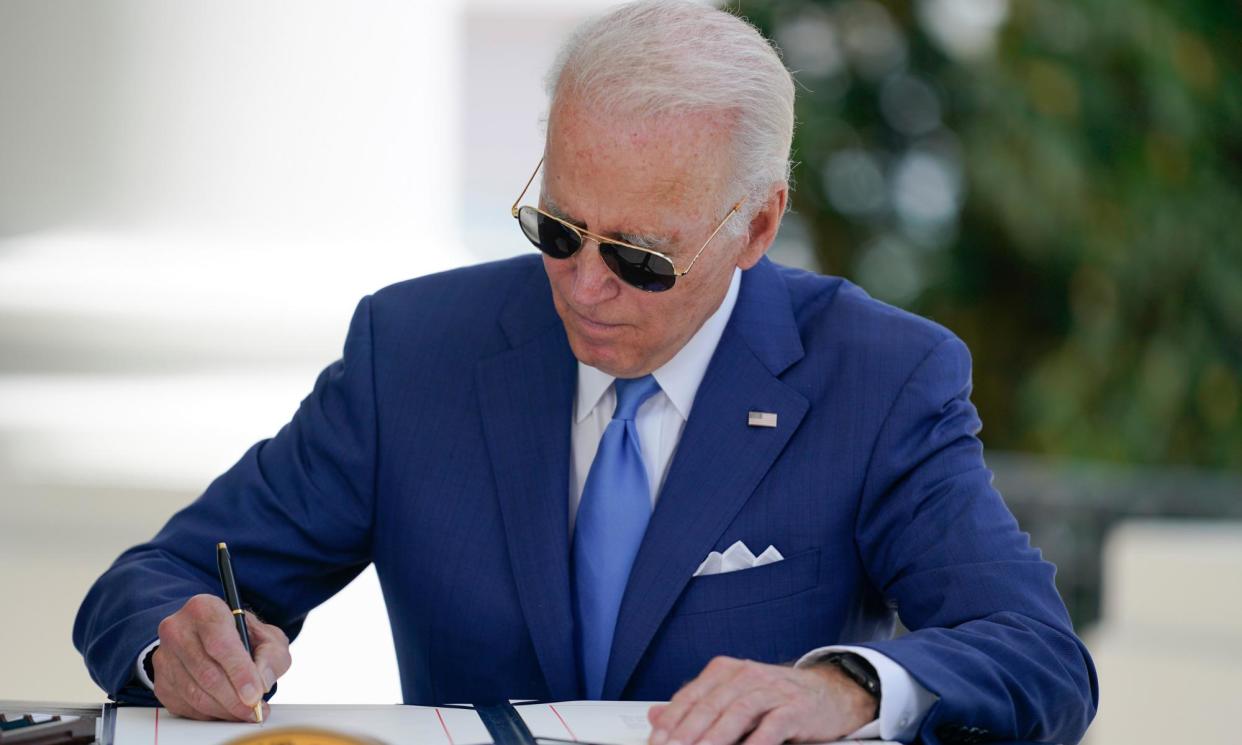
548	235
638	268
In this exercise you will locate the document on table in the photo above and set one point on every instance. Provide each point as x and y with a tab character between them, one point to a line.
392	725
612	722
597	722
601	722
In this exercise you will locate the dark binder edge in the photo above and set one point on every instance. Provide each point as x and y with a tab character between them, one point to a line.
504	724
534	740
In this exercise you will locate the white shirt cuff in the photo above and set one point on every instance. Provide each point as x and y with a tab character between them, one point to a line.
142	669
903	701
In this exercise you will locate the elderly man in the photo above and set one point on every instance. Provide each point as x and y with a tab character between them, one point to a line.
564	469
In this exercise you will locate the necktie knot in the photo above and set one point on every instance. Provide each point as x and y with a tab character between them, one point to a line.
631	393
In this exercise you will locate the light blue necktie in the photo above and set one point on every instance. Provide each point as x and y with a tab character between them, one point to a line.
612	517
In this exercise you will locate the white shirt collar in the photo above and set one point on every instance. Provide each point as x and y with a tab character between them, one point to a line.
679	378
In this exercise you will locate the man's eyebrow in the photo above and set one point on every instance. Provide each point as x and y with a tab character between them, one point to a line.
553	208
642	240
654	242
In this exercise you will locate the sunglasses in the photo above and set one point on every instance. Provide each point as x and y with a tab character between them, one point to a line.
648	270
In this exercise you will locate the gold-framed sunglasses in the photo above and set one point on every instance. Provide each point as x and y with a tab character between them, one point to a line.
648	270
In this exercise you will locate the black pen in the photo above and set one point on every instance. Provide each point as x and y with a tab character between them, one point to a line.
225	565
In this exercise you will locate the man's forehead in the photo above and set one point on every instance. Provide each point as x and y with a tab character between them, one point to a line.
659	177
672	150
614	187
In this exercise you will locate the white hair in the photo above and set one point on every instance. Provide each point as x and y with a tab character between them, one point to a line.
656	57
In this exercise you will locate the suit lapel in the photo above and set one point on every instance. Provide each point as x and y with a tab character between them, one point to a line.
526	397
719	461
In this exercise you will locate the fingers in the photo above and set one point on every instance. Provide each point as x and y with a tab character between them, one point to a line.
215	677
271	650
691	710
729	709
171	698
210	675
743	714
179	693
222	646
765	704
777	726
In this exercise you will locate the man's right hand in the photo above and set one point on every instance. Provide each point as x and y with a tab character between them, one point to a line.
202	670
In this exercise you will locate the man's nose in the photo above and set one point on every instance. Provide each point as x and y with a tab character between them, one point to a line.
593	281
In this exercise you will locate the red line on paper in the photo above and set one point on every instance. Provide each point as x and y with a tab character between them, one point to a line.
572	736
157	727
445	726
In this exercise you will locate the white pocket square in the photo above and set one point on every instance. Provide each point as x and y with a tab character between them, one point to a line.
736	557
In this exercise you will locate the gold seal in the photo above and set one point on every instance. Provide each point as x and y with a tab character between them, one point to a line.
302	736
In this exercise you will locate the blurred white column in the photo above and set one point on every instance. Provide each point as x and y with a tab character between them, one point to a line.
1168	645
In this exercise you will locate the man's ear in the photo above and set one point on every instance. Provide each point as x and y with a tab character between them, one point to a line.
763	226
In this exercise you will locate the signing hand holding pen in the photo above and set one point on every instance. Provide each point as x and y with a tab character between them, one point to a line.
203	670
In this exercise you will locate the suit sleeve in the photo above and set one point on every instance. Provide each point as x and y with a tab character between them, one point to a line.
989	635
296	511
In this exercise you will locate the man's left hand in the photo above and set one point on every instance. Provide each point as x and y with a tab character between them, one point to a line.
765	704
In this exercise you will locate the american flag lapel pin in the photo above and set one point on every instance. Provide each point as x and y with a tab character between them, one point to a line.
761	419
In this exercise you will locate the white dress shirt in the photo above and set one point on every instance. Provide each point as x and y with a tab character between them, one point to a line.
660	421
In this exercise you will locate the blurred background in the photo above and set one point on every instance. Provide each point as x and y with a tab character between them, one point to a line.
194	196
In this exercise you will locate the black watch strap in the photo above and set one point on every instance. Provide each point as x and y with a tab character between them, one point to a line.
859	670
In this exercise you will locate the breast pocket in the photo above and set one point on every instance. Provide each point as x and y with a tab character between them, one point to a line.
743	587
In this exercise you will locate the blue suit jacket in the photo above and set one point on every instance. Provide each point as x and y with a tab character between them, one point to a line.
438	449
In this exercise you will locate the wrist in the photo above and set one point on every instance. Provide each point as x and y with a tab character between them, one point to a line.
857	679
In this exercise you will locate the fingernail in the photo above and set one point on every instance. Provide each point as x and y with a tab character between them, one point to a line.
269	678
249	694
658	737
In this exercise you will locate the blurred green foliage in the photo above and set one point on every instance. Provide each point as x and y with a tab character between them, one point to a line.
1058	181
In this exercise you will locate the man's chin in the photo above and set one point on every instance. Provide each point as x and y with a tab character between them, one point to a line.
605	358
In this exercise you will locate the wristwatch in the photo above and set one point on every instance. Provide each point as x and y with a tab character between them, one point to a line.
859	670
